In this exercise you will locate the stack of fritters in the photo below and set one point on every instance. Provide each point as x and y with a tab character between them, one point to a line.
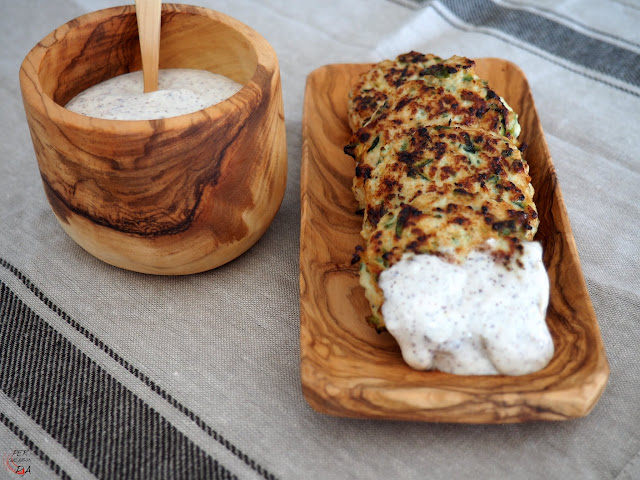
438	168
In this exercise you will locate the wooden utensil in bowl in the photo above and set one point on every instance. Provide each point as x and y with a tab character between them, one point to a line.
148	17
173	196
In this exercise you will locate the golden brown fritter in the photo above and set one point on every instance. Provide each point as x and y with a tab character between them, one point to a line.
415	104
464	89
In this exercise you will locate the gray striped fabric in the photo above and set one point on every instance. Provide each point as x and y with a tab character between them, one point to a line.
114	375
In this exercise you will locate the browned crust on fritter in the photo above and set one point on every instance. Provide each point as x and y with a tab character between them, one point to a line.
374	87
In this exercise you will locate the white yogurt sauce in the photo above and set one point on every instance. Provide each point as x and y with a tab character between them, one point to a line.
474	318
180	91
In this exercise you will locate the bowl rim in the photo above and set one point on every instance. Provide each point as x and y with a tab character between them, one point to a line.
249	94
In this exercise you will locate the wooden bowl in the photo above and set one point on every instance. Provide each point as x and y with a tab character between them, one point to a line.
173	196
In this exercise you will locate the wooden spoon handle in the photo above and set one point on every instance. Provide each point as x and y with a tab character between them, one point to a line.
148	16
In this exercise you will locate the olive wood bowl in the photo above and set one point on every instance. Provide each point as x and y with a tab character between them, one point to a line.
174	196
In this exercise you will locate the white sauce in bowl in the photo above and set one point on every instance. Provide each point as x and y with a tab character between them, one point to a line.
474	318
180	91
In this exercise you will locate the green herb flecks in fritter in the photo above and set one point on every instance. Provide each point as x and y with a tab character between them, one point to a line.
370	96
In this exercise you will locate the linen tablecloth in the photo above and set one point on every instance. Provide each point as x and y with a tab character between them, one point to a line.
112	374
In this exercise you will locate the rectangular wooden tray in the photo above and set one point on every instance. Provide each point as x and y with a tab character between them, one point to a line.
347	369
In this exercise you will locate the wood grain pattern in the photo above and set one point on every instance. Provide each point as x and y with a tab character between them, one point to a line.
172	196
347	369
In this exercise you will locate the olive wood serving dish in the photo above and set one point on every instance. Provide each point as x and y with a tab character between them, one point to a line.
347	369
